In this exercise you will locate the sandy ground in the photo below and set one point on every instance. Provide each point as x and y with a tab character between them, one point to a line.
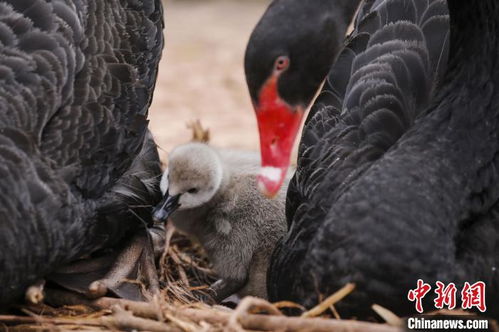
201	74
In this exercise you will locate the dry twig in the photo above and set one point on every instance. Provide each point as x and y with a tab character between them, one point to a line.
125	320
331	300
199	134
247	305
389	317
253	321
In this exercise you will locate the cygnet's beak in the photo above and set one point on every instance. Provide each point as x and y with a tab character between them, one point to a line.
165	208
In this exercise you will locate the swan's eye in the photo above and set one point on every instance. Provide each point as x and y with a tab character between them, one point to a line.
281	63
193	190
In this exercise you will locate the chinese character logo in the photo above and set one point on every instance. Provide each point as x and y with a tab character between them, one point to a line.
472	295
446	296
417	295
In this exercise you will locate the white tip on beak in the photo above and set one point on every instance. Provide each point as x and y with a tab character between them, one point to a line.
270	180
272	174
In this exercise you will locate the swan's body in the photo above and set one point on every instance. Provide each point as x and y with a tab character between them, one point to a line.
75	85
220	206
396	175
380	84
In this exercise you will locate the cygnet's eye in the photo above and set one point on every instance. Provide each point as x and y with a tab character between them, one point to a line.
193	190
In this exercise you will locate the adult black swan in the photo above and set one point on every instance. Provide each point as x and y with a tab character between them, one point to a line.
397	170
76	81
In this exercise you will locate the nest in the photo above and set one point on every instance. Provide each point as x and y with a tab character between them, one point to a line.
185	271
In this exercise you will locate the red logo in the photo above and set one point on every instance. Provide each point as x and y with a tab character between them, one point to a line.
418	294
472	296
446	296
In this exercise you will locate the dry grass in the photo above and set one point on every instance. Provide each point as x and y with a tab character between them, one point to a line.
184	271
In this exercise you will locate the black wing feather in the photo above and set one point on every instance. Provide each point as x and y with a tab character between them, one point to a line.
383	88
75	85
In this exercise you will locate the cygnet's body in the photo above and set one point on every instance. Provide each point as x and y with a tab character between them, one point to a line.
217	202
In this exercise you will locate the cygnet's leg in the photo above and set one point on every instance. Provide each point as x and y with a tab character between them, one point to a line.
223	288
140	250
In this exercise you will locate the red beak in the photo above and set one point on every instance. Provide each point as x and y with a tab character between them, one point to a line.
278	124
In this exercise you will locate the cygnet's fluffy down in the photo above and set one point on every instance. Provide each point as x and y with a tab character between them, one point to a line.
211	195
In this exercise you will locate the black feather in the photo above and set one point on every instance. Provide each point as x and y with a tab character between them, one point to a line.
75	154
381	86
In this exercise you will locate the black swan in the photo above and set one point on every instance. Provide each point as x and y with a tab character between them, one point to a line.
76	158
397	170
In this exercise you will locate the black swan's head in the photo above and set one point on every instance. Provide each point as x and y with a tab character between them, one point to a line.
288	56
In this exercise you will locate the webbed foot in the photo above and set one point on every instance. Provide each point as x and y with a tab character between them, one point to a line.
123	273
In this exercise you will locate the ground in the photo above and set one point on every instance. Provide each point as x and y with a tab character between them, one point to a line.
202	75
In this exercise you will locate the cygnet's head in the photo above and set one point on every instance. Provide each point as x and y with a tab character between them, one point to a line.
193	177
